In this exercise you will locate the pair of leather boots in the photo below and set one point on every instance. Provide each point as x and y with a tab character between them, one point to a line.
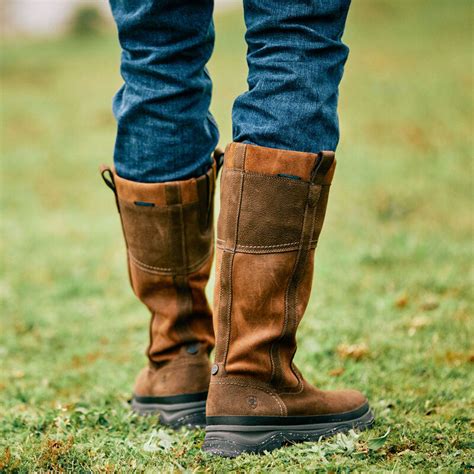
252	398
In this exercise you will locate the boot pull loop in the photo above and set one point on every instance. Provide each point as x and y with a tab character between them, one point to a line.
108	177
323	165
219	159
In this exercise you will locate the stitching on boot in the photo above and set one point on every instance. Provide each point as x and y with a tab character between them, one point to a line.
297	390
167	270
282	406
275	177
268	246
221	244
290	311
217	303
313	219
265	246
228	309
267	251
231	259
264	249
220	295
277	371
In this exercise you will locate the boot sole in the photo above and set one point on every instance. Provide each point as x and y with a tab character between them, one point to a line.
231	440
174	411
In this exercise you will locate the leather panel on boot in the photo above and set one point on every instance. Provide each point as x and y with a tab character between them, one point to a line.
261	280
156	226
272	161
233	396
155	193
186	302
271	213
230	200
181	375
288	378
171	246
312	401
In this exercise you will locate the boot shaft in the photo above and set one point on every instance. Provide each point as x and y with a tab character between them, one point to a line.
273	204
169	233
168	226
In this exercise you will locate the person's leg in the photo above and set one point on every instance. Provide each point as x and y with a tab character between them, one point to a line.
165	130
274	193
164	181
296	60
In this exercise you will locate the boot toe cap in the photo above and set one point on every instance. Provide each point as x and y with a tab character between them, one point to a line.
349	399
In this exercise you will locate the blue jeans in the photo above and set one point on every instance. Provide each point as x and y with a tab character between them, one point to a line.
295	58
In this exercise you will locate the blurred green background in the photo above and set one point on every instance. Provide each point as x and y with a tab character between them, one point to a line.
391	310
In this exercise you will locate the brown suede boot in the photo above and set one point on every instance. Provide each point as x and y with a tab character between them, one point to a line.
168	230
273	204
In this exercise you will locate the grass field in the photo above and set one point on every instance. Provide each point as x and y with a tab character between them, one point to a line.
391	312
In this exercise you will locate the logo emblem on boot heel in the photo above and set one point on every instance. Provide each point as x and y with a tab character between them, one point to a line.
252	401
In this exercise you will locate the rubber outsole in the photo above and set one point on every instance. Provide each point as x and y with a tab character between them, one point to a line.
175	415
233	440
